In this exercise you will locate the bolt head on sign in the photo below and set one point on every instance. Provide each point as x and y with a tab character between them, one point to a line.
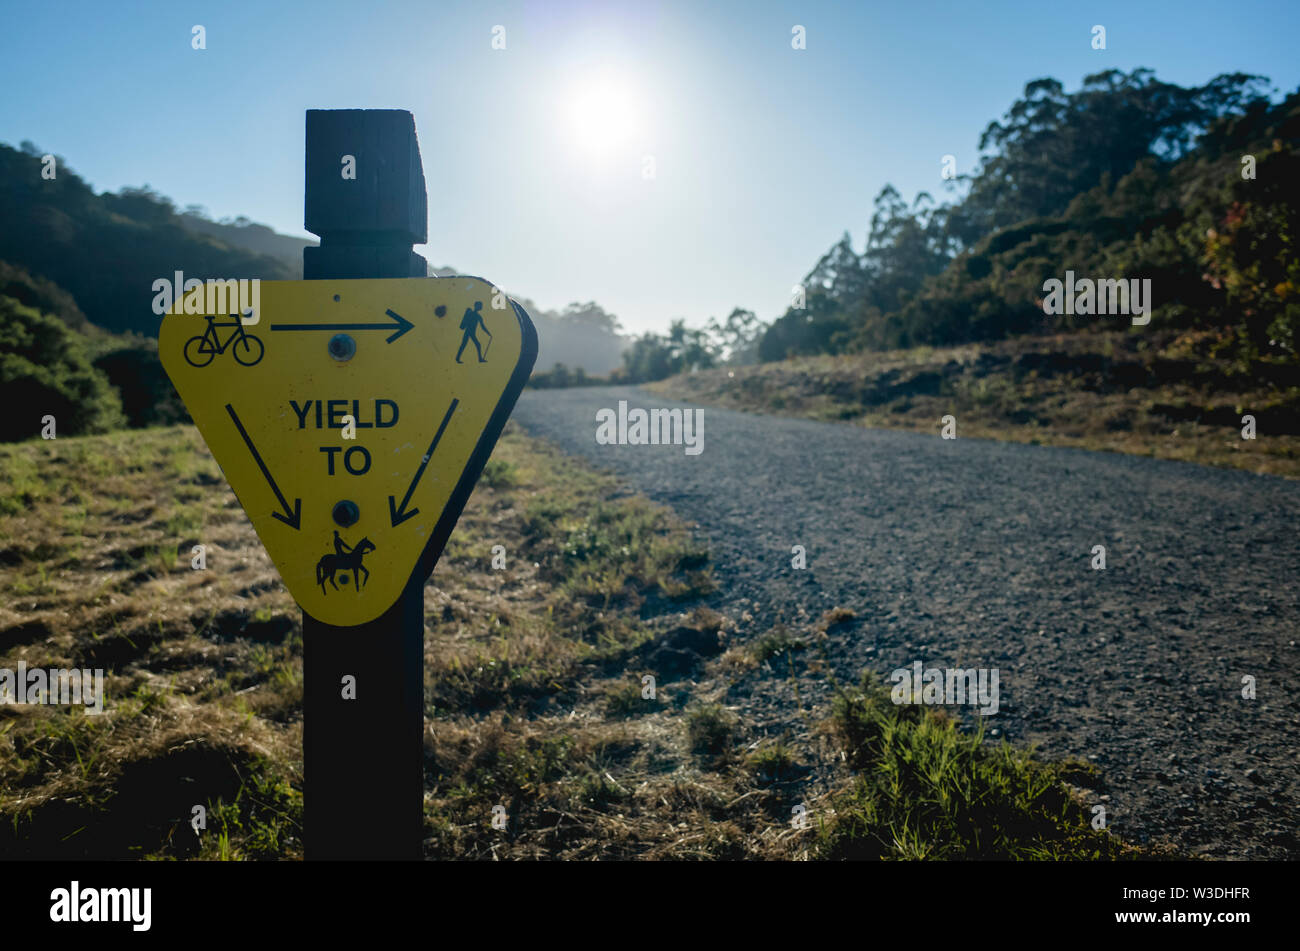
427	369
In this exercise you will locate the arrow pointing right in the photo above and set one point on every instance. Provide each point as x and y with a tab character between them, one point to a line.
397	513
399	324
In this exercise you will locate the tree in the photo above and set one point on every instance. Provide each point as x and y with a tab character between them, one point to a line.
592	316
655	357
34	291
142	204
820	326
1123	176
1051	146
735	340
904	248
148	398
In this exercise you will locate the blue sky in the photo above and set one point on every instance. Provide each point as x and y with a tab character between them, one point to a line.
534	155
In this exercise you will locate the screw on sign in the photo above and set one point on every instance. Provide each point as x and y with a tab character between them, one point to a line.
354	527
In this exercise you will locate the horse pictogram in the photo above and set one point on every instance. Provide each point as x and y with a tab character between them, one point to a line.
344	559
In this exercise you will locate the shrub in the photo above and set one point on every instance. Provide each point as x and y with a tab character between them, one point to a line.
44	370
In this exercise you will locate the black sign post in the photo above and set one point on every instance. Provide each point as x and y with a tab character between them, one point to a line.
363	766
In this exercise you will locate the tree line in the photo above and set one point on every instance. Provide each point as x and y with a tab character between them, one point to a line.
1195	188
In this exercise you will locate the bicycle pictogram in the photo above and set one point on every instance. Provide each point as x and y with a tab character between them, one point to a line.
200	350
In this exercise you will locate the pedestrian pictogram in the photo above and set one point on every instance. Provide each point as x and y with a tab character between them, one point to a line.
357	516
470	323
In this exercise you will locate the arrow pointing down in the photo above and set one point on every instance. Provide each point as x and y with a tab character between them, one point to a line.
291	516
397	513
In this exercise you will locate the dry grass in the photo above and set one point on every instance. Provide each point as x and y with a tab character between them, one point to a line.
204	667
1149	395
539	711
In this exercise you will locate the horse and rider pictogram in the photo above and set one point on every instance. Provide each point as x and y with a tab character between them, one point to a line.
344	559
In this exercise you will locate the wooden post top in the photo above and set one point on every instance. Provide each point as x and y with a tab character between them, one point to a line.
367	223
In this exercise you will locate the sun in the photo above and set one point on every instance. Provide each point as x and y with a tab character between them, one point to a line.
603	116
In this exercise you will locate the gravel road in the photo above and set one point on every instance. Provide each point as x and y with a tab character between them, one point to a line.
973	553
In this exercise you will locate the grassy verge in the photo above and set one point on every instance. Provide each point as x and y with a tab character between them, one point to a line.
203	668
1148	394
924	789
580	701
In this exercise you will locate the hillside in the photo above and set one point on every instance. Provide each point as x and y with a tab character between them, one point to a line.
1190	189
88	262
251	236
1148	395
106	250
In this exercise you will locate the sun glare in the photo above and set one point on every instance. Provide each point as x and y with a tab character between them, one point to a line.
603	116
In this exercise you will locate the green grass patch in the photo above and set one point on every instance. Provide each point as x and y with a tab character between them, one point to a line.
773	762
625	700
499	473
263	820
775	642
926	790
710	728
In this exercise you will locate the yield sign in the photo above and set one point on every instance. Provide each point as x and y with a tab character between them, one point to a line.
352	419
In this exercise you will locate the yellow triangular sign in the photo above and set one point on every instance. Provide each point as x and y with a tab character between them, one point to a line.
352	419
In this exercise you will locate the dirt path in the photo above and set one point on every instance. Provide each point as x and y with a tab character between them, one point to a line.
972	553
